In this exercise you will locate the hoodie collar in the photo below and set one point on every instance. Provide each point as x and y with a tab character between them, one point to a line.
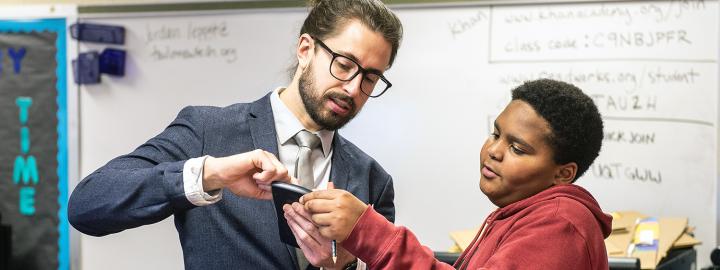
571	191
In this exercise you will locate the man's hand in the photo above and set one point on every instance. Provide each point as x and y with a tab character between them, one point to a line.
335	212
315	247
248	174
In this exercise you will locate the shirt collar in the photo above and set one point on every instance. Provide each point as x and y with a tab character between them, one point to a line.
287	125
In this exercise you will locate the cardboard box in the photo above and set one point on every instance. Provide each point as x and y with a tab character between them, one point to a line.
673	233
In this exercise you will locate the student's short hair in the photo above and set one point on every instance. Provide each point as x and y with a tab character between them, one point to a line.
576	124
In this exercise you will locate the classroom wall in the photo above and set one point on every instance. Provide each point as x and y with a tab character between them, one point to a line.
161	249
426	108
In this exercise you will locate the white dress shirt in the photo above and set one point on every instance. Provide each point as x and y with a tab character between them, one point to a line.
286	126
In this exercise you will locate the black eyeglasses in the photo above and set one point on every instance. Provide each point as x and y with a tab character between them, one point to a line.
345	69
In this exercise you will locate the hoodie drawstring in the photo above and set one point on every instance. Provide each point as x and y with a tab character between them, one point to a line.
461	263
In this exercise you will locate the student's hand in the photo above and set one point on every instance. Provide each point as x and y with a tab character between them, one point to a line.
316	248
248	174
335	212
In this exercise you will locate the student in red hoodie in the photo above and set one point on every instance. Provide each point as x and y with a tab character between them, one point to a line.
546	138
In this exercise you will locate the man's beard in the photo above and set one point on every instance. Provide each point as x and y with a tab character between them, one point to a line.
314	101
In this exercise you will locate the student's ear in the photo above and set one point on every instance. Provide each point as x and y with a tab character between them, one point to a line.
565	173
305	50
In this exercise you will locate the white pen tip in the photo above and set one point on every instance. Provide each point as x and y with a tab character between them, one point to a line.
334	259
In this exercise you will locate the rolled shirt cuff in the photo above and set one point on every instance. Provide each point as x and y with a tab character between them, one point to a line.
192	182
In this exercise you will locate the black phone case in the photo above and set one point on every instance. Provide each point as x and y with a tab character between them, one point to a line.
284	193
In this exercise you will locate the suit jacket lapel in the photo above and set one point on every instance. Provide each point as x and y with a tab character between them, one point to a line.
262	125
342	170
264	136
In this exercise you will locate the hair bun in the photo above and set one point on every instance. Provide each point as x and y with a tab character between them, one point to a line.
313	3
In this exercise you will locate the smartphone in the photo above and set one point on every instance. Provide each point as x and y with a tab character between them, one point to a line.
285	193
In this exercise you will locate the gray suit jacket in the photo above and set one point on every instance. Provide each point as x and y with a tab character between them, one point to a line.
146	186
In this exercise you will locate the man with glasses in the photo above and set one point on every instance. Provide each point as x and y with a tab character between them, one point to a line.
210	166
345	69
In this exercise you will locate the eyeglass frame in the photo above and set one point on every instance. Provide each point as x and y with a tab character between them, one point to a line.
361	69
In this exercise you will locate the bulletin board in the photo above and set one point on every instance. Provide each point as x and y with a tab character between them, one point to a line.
33	139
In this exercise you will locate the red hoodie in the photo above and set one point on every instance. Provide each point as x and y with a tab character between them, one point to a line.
561	227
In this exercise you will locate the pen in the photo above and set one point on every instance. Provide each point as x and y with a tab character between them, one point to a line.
334	251
333	244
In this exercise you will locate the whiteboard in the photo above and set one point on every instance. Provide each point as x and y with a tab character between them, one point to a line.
651	66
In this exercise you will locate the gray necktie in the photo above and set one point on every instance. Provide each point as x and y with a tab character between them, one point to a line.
306	141
303	166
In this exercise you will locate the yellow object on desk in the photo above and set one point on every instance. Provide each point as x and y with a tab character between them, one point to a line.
462	239
670	233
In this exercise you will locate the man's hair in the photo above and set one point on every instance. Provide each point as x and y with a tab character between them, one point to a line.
328	17
575	123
